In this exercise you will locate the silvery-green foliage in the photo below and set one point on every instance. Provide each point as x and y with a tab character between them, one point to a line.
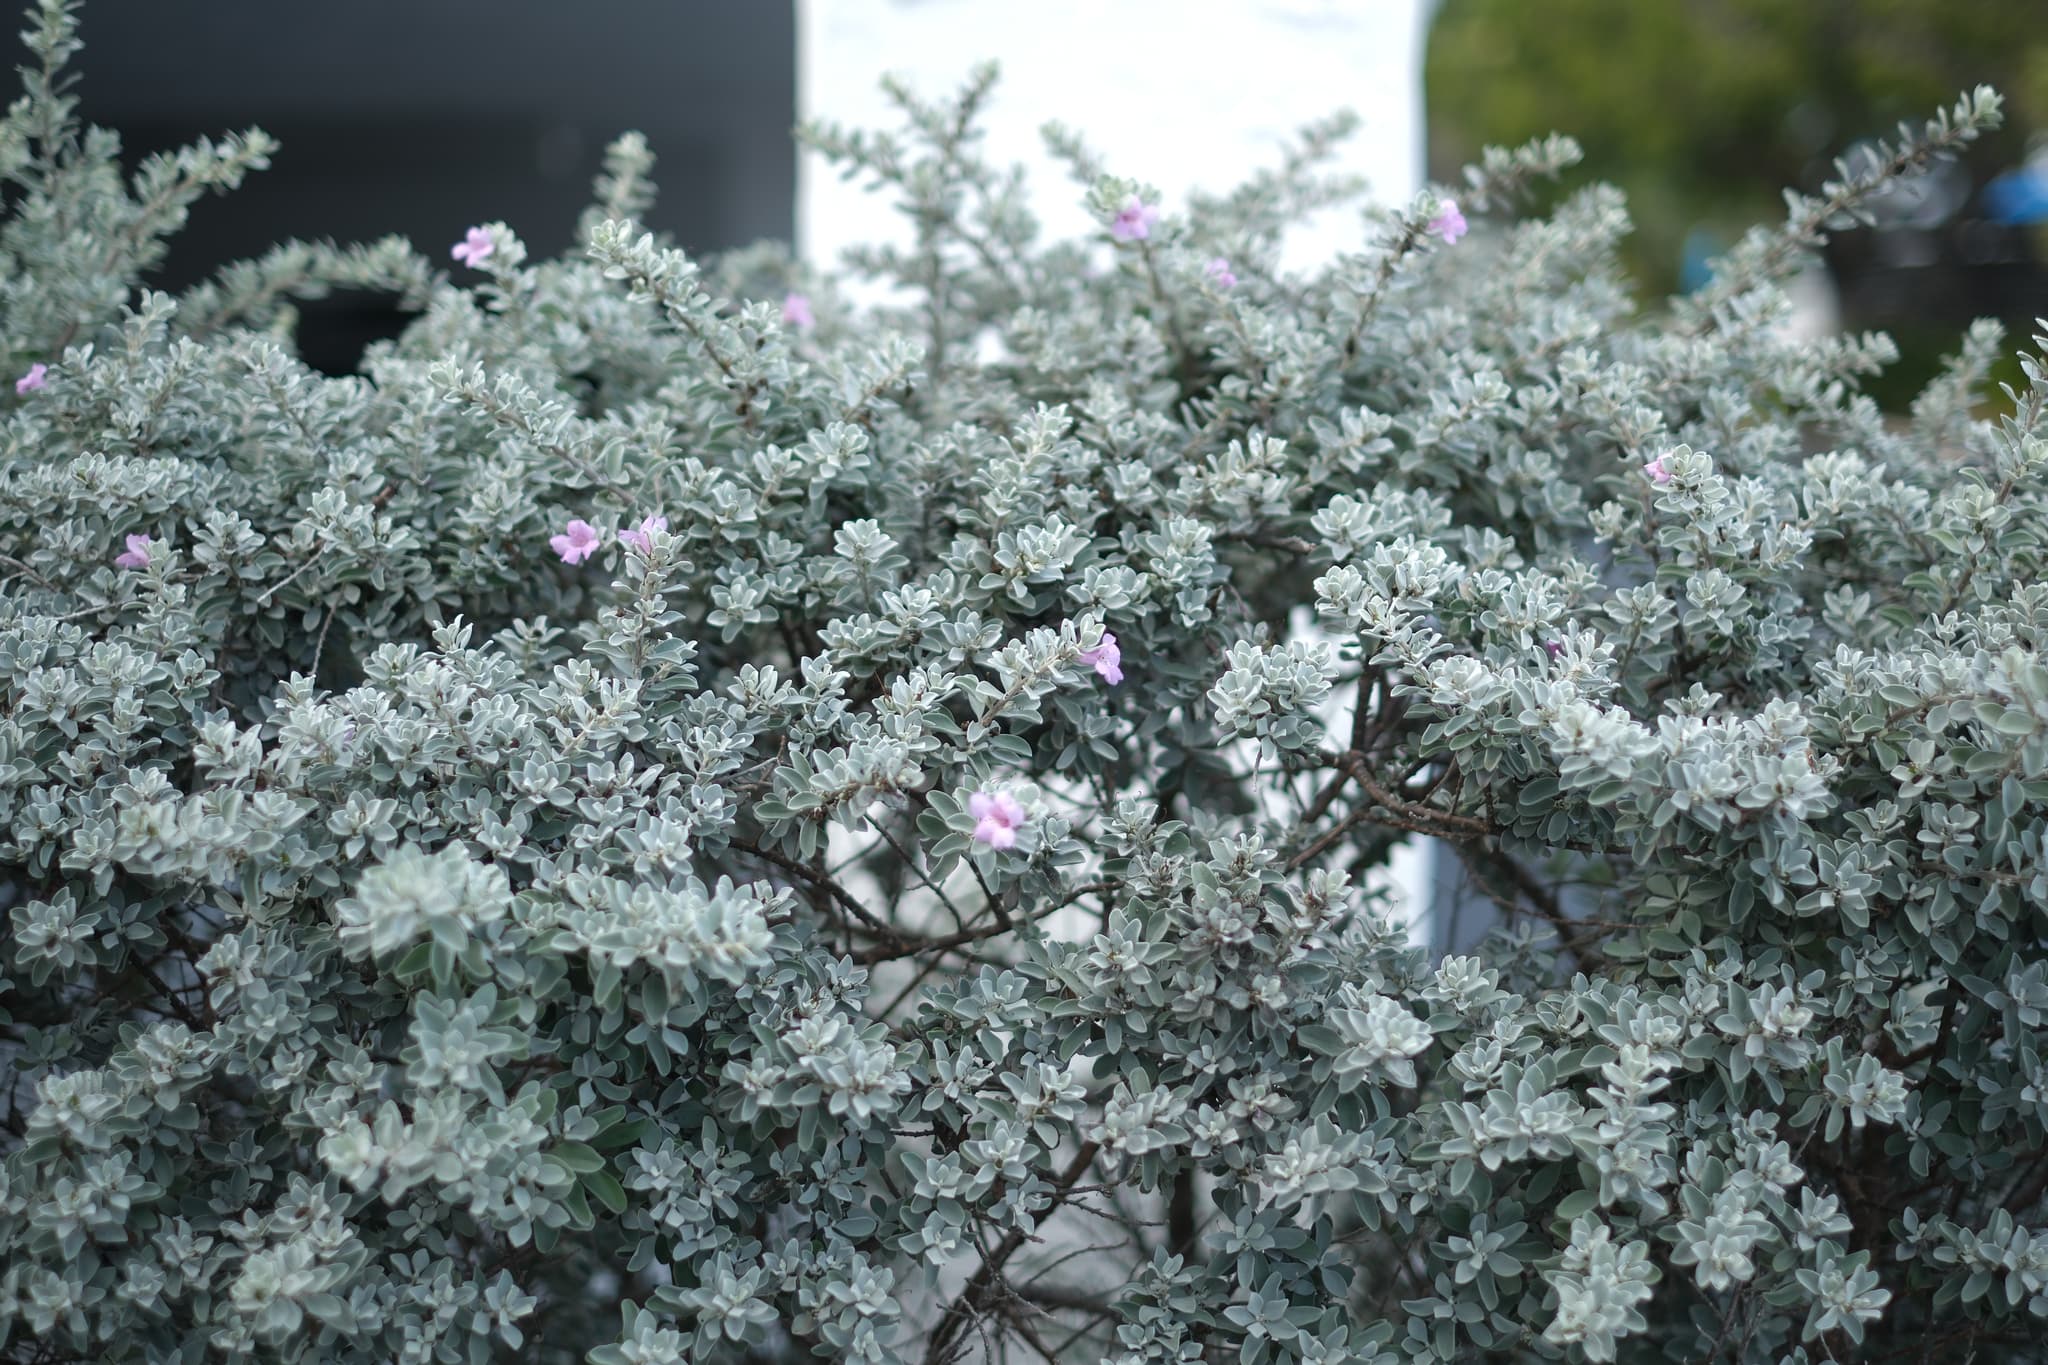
416	947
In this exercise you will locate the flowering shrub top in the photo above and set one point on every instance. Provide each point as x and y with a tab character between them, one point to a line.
671	820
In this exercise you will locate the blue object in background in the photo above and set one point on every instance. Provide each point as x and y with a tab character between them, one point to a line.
2019	196
1696	258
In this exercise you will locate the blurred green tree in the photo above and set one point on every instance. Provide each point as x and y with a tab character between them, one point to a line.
1702	110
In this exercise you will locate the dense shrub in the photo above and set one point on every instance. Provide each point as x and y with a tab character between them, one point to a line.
619	833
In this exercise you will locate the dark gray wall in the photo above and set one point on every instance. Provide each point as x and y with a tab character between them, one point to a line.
424	116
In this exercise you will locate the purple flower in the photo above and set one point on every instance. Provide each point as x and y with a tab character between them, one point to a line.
1552	648
1659	472
1448	224
997	818
577	542
1219	273
475	248
37	376
1106	659
796	311
136	556
638	538
1133	222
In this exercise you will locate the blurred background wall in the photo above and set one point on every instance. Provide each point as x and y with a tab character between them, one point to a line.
422	117
1178	93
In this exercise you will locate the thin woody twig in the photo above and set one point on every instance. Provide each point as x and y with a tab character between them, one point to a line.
979	1291
812	877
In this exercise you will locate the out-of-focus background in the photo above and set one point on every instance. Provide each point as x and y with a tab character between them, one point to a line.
1703	110
423	117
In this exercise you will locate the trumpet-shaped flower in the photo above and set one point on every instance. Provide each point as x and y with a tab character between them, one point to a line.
1133	222
136	556
1106	659
638	537
1449	223
577	542
997	818
475	248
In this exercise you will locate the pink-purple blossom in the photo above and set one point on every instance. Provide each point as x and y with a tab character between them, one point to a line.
37	376
1659	472
1106	659
577	541
796	310
1448	224
1133	222
1220	273
1553	648
475	248
136	556
638	537
997	818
